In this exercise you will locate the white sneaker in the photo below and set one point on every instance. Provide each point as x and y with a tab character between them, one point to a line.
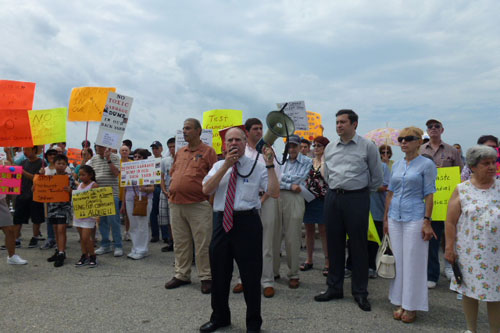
137	256
126	236
131	254
102	250
431	284
118	252
448	271
16	260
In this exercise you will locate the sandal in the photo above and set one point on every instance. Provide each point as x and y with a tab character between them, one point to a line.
396	314
306	266
409	316
325	271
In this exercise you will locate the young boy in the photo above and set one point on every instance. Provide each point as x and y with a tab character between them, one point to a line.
59	213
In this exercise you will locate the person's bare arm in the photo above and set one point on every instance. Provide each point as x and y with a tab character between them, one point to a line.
427	231
388	200
450	225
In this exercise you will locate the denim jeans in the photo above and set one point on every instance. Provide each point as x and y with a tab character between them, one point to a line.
153	217
433	270
113	222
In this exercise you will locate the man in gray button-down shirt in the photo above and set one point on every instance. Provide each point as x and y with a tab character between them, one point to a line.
352	169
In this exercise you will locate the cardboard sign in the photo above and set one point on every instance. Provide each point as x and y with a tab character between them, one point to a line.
296	111
15	129
446	181
206	138
48	126
87	103
74	156
219	119
314	127
16	95
50	188
142	172
94	202
10	179
114	120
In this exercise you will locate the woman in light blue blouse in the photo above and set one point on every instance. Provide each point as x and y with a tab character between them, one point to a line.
407	220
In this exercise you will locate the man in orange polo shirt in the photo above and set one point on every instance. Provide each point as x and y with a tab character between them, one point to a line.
190	212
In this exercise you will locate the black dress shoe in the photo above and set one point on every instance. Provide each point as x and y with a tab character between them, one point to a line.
363	303
212	327
175	283
328	295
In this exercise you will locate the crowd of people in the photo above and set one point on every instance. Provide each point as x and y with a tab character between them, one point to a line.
241	205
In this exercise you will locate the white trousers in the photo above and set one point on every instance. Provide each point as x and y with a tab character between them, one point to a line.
139	228
409	288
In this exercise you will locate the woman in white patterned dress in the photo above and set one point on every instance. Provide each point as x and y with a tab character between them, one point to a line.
473	237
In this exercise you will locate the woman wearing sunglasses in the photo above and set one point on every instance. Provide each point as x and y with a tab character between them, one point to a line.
407	221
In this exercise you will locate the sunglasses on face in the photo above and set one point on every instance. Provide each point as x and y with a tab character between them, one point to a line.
385	152
318	145
408	138
436	126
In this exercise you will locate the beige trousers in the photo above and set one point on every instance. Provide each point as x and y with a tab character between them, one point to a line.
291	207
191	222
269	214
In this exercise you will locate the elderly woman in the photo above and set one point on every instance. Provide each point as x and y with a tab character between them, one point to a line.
407	220
139	225
473	237
314	210
487	140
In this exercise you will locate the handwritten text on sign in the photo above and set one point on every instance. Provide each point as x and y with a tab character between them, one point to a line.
219	119
446	181
142	172
15	129
296	111
114	120
10	179
50	188
16	95
87	103
206	138
48	126
92	203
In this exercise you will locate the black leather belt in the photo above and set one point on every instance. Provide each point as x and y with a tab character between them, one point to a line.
342	191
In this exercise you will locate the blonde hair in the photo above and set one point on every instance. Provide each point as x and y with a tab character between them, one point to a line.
412	130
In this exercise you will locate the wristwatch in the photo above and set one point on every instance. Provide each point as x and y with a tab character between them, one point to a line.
427	218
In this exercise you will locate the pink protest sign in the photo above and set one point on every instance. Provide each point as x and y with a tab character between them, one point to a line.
10	179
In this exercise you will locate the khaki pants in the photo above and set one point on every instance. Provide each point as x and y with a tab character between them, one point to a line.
269	217
291	213
191	222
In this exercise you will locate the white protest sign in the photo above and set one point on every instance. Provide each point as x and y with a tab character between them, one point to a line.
114	120
142	172
296	111
206	138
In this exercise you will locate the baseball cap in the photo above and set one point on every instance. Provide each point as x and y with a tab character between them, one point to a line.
156	144
432	121
295	139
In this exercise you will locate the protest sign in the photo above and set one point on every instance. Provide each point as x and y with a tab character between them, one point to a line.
372	231
15	129
10	179
50	188
142	172
114	120
16	95
206	138
446	181
74	156
87	103
296	111
48	126
219	119
314	127
92	203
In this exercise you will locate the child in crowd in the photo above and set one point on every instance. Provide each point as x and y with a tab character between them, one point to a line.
86	226
59	213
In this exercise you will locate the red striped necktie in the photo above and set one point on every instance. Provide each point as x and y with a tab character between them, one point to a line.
227	221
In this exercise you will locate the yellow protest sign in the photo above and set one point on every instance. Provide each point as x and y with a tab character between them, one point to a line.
48	126
372	231
87	103
92	203
219	119
315	128
446	181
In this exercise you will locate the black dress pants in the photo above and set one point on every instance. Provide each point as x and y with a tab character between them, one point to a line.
347	213
243	243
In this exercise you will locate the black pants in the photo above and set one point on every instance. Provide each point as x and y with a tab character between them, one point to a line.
372	248
347	213
242	243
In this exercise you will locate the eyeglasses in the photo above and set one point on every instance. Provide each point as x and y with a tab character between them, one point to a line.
436	126
386	152
408	138
318	145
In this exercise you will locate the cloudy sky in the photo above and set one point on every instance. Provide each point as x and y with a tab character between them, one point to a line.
395	62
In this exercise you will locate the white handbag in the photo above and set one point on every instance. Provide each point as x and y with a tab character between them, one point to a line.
386	265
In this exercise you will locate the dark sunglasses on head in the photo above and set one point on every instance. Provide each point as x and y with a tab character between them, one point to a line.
436	126
408	138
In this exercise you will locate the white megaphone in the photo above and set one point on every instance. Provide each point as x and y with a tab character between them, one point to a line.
278	125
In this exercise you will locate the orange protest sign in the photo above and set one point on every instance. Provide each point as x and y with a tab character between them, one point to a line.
74	156
87	103
16	95
15	129
50	188
315	128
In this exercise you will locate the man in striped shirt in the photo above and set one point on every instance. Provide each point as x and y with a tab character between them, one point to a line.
292	206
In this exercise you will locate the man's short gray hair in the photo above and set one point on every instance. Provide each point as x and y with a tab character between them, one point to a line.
196	122
479	152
